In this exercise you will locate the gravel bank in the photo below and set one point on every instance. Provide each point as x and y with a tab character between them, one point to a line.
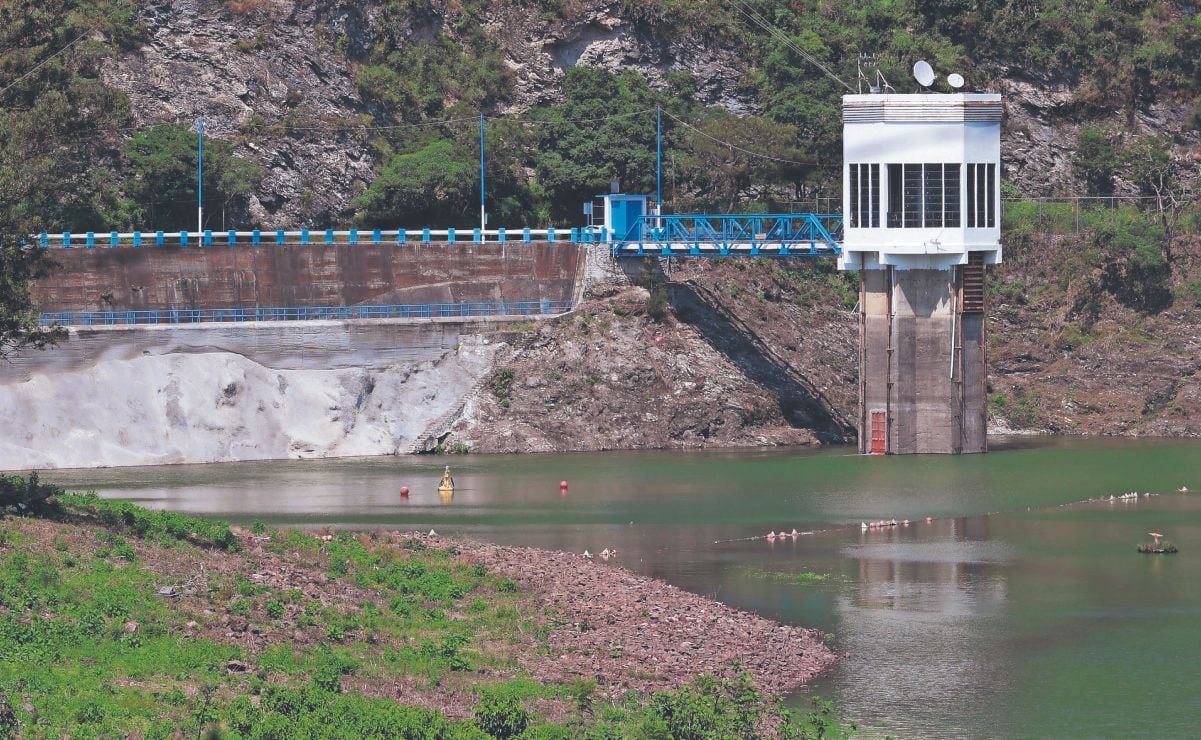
630	632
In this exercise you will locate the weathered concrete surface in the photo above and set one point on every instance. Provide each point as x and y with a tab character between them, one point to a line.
243	276
299	345
921	364
222	393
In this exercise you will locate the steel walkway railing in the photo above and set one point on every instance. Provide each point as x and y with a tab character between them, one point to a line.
466	310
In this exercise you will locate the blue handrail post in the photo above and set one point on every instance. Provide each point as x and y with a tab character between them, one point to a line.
550	235
401	236
477	236
91	240
208	237
304	236
329	236
183	238
425	235
376	236
450	235
158	238
113	239
354	236
575	235
500	235
66	240
137	240
44	240
525	234
231	237
280	238
255	237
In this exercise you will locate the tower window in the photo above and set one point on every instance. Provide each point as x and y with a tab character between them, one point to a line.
923	195
981	196
865	196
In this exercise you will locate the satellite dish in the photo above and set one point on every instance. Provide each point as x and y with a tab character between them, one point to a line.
923	73
955	80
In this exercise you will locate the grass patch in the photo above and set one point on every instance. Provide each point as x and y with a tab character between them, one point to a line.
93	647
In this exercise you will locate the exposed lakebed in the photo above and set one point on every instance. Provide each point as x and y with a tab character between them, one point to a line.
1040	620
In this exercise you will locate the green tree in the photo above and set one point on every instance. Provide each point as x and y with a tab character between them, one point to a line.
432	186
1096	159
161	175
54	112
583	146
1137	270
20	265
723	161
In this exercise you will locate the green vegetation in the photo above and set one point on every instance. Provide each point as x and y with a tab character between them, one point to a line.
1020	411
101	636
1096	159
20	266
161	175
502	386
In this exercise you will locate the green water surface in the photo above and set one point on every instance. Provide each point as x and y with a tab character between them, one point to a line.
1008	614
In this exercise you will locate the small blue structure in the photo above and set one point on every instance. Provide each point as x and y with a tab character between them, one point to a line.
623	212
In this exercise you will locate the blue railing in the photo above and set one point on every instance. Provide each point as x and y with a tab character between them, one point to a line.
489	309
701	235
280	237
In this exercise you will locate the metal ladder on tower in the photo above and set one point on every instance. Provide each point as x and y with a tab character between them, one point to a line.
973	283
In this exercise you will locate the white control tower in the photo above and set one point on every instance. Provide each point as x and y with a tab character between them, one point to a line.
921	219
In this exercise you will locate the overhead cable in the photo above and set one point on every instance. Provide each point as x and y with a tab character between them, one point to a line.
745	151
779	35
43	63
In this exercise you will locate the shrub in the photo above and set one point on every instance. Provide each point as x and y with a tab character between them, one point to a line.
151	524
1096	159
500	715
657	304
1189	292
28	495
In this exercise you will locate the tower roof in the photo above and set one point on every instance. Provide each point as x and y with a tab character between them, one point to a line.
921	108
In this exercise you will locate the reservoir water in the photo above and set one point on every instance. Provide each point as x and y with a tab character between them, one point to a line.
1008	614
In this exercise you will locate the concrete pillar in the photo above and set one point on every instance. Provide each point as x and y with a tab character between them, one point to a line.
922	364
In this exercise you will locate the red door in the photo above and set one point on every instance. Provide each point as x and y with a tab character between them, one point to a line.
879	436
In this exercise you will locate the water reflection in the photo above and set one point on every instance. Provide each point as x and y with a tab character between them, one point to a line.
1040	621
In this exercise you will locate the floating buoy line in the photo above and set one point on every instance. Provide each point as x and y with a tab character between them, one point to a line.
880	525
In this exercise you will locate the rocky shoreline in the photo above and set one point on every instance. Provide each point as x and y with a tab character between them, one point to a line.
633	633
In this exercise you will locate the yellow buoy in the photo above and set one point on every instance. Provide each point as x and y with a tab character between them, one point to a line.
447	487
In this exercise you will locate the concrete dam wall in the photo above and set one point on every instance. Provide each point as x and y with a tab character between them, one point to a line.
150	395
243	276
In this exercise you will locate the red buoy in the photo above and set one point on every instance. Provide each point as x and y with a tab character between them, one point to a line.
562	485
404	491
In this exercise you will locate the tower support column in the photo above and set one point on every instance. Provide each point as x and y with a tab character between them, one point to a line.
922	362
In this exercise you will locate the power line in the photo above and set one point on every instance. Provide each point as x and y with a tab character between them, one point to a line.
42	63
779	35
551	122
746	151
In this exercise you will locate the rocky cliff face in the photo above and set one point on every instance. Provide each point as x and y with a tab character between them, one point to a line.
737	354
277	79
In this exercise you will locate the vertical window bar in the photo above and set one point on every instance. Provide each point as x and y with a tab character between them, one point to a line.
912	194
991	187
951	197
875	173
971	196
854	209
982	195
933	193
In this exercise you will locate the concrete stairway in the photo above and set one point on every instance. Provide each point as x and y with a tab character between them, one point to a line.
428	440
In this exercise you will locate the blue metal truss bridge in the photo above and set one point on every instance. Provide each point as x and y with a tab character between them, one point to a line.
729	235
